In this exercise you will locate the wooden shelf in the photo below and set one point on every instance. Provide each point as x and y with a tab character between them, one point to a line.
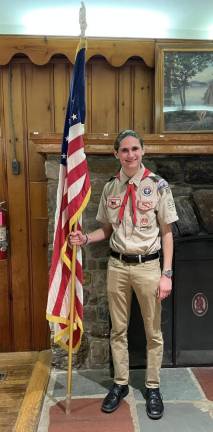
40	49
155	144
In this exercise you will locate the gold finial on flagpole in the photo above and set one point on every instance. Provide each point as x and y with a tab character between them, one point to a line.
82	19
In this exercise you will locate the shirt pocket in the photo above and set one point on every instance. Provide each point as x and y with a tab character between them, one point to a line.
146	216
113	208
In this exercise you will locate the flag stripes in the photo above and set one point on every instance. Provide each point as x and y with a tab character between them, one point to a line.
72	197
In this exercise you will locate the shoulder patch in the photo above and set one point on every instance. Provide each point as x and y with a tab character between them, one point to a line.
162	184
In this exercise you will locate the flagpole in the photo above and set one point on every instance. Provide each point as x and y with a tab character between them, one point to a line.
72	302
83	25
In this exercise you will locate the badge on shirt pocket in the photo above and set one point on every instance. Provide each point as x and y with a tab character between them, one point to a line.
114	202
144	205
144	222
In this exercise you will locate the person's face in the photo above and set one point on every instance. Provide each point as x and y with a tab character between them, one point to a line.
130	154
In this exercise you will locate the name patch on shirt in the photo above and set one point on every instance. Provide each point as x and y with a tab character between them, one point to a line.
114	202
144	205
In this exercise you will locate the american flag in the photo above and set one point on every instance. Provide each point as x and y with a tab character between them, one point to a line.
72	197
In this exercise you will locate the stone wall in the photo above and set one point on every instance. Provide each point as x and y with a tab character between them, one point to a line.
191	180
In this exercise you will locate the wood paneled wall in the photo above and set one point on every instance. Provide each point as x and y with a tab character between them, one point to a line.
117	98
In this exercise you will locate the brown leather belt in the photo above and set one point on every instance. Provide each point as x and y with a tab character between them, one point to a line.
134	258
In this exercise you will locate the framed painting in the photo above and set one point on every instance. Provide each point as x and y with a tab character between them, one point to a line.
184	88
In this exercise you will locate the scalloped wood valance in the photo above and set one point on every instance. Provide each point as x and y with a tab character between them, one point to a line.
40	49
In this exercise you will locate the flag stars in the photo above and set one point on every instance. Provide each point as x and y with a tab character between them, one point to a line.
68	207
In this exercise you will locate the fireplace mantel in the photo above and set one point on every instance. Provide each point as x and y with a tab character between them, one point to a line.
155	144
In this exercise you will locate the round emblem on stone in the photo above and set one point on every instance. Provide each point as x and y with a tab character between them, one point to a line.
199	304
147	190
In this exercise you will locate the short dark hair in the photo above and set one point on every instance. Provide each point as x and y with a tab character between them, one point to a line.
123	134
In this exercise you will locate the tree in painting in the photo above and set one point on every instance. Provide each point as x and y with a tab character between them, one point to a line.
179	69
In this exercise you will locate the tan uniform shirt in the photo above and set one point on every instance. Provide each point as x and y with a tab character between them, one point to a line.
154	207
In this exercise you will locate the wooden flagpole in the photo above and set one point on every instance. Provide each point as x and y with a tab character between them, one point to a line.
72	303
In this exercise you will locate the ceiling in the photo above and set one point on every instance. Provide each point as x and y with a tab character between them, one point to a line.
182	19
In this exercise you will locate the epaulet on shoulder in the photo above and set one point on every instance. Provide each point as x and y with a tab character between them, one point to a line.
156	178
111	179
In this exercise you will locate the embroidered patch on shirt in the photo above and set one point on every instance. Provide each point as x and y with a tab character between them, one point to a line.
114	202
162	184
144	221
147	190
171	204
144	205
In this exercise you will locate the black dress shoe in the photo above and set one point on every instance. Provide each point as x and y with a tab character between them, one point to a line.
112	400
154	403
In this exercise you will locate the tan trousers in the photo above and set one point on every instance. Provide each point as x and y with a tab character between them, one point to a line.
144	279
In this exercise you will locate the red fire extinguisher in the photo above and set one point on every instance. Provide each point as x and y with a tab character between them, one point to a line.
3	232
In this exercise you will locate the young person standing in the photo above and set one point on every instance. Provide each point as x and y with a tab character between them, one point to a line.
136	211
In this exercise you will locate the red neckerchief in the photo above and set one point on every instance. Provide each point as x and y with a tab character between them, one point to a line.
131	191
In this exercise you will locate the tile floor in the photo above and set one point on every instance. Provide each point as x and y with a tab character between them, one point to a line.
187	394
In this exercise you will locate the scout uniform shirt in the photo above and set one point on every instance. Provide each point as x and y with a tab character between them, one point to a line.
137	231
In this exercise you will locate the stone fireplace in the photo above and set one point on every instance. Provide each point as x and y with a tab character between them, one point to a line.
191	179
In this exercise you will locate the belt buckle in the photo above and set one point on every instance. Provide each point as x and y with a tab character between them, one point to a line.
139	259
120	256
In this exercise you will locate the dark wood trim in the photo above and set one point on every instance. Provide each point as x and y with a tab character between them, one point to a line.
155	144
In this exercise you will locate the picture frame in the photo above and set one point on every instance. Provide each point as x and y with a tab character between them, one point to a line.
184	87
